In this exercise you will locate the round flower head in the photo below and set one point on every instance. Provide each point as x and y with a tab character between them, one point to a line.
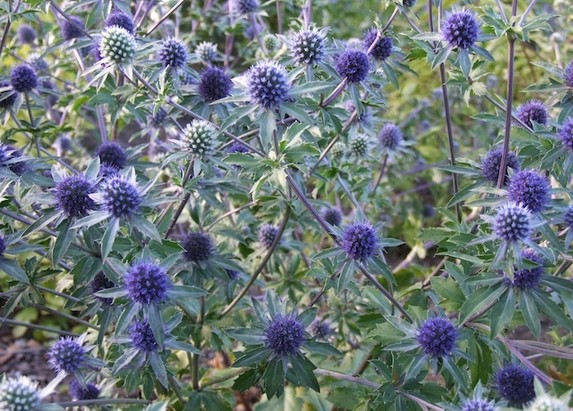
267	235
382	49
237	147
120	19
117	45
198	137
8	97
284	335
107	170
353	65
215	84
568	216
9	153
533	111
38	63
321	328
460	29
548	403
359	145
206	51
531	189
2	246
528	278
26	34
390	137
198	247
565	134
568	75
332	216
73	195
19	394
120	197
268	84
99	283
142	337
512	222
437	336
112	154
307	46
23	78
515	384
79	393
72	29
337	151
360	241
246	6
159	117
271	42
173	54
67	355
147	283
477	405
492	161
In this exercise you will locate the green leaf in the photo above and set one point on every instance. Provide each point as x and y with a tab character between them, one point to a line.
186	291
41	223
304	371
479	300
530	314
316	347
109	237
91	219
63	241
12	269
246	335
502	312
268	127
452	296
251	357
274	378
158	368
146	227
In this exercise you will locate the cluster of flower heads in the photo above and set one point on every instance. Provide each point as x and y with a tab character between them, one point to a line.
512	222
23	78
267	235
359	145
72	27
332	216
73	196
566	134
142	336
120	19
528	278
390	137
308	46
81	392
19	394
67	355
515	384
117	45
353	65
215	84
568	75
26	34
120	197
10	157
101	282
8	97
530	189
173	54
476	404
199	137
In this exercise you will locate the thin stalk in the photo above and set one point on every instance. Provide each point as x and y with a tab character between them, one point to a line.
65	16
323	290
335	93
164	17
66	316
197	343
307	14
279	6
390	20
230	213
214	381
57	293
381	175
103	401
184	201
345	377
37	327
422	403
145	13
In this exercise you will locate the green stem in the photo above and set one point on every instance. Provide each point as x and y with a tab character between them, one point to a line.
37	327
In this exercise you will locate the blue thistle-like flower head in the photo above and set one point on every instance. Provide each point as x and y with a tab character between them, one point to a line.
73	196
382	50
159	117
568	216
67	355
26	34
332	215
492	161
528	278
565	134
360	241
79	392
9	153
215	84
120	197
107	170
478	405
268	84
533	111
512	222
568	75
284	335
7	97
437	336
246	6
206	51
147	283
23	78
99	283
19	394
307	46
267	235
237	147
461	29
71	30
359	145
38	63
142	337
112	154
199	137
390	137
321	328
198	247
515	384
173	53
2	246
531	189
120	19
353	65
117	45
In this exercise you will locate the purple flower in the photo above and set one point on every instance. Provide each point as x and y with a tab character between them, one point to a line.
99	283
360	241
531	189
268	84
173	53
390	136
198	247
321	328
515	384
246	6
8	97
71	30
437	336
382	50
120	19
142	337
23	78
527	279
67	355
267	235
206	51
460	29
159	117
512	222
568	75
533	111
307	46
566	133
38	63
73	195
107	170
284	335
233	274
79	392
26	34
120	197
147	283
215	84
7	156
568	216
492	161
2	246
237	147
478	405
117	45
112	154
332	216
353	65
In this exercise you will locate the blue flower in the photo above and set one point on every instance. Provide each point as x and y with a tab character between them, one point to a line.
26	34
515	384
267	235
246	6
492	161
530	189
67	355
284	335
206	51
437	336
71	31
353	65
23	78
73	196
112	154
159	117
173	53
533	111
512	222
2	246
478	405
142	337
19	394
332	216
120	19
566	133
360	241
8	97
307	46
107	170
198	247
321	328
120	197
528	278
147	283
79	392
215	84
99	283
390	136
9	158
199	137
460	29
568	216
383	49
268	84
568	75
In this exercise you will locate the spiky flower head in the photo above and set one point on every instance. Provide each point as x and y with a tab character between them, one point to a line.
360	241
337	151
353	65
478	405
215	84
120	19
284	335
9	157
546	402
107	170
246	6
512	222
267	235
67	355
19	394
147	283
307	46
26	34
173	53
321	328
120	197
533	111
112	154
237	147
72	28
515	384
99	283
206	51
199	137
531	189
268	84
198	246
73	196
390	137
382	50
492	162
568	75
528	278
117	45
359	145
437	336
159	117
7	97
565	134
38	63
142	337
460	29
23	78
332	215
79	392
2	246
568	216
